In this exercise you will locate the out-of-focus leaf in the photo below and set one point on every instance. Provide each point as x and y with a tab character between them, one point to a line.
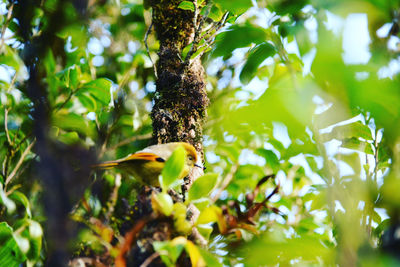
270	157
236	37
10	58
99	89
194	254
173	169
74	122
21	198
215	13
354	143
205	231
10	254
169	251
209	214
202	186
288	6
162	203
287	249
180	223
6	201
87	101
256	57
355	129
319	201
237	7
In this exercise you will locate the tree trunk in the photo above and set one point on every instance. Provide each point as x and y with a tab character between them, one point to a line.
179	109
181	98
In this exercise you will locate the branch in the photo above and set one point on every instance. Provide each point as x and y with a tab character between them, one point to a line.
148	50
131	139
5	25
209	41
197	34
130	237
20	161
225	182
148	261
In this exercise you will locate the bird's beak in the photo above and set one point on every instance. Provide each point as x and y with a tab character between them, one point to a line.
199	166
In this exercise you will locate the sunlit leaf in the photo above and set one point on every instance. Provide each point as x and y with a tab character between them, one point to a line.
162	203
186	5
202	186
10	253
256	57
236	37
173	169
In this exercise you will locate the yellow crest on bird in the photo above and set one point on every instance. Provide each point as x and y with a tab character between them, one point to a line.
147	164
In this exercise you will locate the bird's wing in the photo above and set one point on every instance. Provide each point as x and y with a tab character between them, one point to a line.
144	156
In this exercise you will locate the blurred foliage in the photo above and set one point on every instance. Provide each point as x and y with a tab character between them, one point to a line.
285	101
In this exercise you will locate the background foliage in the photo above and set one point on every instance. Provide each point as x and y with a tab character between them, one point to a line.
285	100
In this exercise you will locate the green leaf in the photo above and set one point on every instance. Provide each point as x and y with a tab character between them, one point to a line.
256	57
163	203
173	169
209	215
6	201
10	253
238	36
73	122
11	58
354	143
205	230
88	101
215	13
187	5
209	258
69	138
270	157
168	249
203	186
237	7
98	89
21	198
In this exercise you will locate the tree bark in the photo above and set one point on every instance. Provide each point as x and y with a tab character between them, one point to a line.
181	99
179	109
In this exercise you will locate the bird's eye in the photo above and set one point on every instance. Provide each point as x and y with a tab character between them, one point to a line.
190	157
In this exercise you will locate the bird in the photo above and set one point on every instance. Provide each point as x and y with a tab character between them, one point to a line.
147	164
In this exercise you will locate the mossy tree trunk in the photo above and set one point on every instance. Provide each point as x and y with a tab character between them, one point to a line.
181	98
178	113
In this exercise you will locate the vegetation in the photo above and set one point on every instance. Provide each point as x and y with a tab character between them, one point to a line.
296	119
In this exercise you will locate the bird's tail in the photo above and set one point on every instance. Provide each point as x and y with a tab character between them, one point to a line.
105	165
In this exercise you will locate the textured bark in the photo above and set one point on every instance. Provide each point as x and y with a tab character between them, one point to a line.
181	98
179	110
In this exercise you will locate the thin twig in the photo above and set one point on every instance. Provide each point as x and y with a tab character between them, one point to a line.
24	168
113	197
12	82
197	34
225	182
208	42
6	126
66	101
130	237
5	25
150	259
146	36
20	161
131	139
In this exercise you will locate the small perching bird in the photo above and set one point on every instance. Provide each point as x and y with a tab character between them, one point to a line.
147	164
